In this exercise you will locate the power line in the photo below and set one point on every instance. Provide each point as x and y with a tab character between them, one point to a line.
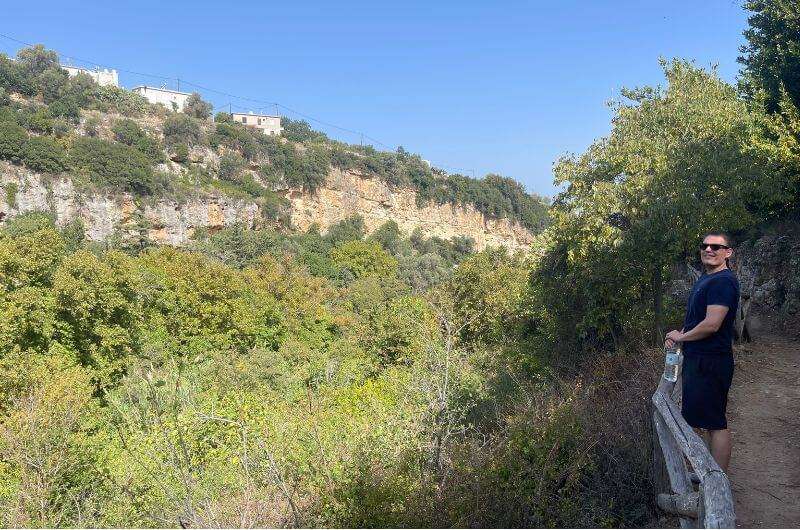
275	104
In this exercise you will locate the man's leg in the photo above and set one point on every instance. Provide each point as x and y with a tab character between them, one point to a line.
721	447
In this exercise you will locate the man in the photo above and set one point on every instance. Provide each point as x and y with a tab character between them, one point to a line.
707	343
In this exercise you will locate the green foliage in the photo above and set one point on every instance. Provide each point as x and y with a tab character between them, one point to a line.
113	165
196	107
230	167
235	136
771	57
129	132
300	131
182	129
11	189
44	154
41	121
110	98
363	259
350	229
12	141
223	117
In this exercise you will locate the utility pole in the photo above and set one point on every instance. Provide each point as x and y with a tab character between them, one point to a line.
276	110
179	84
230	109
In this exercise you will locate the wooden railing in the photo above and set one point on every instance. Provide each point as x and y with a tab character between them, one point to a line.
711	506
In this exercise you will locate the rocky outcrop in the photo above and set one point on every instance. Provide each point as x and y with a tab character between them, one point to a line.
769	274
171	222
346	193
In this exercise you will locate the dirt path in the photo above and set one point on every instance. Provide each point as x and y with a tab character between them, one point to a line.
764	417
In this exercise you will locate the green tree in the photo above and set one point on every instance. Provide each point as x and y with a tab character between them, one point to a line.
363	259
196	107
771	57
678	162
182	129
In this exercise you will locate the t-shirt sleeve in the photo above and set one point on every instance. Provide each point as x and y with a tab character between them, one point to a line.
722	291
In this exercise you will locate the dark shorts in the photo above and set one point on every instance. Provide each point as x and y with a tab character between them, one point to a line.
706	381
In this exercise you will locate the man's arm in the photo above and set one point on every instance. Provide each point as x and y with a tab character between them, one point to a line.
715	315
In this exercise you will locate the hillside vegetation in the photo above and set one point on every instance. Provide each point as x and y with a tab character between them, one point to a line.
115	140
272	379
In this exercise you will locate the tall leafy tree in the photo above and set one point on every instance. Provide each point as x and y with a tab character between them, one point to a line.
771	57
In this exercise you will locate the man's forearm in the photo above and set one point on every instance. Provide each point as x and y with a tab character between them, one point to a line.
702	330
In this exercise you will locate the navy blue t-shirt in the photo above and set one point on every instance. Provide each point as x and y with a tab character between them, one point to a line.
720	288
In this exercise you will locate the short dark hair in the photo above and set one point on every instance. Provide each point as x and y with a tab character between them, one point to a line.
728	239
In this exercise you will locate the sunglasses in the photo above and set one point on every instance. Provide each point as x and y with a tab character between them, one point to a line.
714	246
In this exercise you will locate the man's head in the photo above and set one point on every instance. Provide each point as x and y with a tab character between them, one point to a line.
715	249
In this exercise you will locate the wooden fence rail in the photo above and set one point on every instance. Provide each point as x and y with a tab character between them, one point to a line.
712	505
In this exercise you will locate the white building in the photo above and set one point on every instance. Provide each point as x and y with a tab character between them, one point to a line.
172	99
102	77
269	125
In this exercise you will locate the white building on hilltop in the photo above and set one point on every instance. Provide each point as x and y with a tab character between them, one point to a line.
102	77
172	99
269	125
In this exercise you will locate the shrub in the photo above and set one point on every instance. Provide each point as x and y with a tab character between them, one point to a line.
223	117
114	165
230	167
11	190
197	108
236	137
66	107
40	121
180	154
129	133
12	141
182	129
111	98
91	126
44	154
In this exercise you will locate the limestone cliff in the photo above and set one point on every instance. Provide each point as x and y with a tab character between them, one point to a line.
172	222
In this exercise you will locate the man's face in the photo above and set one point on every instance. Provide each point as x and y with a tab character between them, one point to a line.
714	258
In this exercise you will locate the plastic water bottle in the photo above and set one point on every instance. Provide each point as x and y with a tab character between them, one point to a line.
672	363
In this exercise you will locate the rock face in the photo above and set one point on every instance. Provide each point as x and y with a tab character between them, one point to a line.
170	222
346	194
769	273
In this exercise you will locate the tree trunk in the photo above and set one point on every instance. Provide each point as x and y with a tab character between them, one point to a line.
656	287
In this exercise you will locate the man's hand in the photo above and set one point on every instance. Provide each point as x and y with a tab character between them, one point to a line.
673	337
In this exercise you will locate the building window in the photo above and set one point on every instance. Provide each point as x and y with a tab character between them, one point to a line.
244	119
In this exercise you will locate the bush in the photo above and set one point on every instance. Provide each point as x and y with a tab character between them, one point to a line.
40	121
197	108
12	141
66	107
113	165
230	167
129	133
127	103
235	136
223	117
182	129
44	154
300	131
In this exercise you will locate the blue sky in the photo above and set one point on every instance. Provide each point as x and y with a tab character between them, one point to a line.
503	87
